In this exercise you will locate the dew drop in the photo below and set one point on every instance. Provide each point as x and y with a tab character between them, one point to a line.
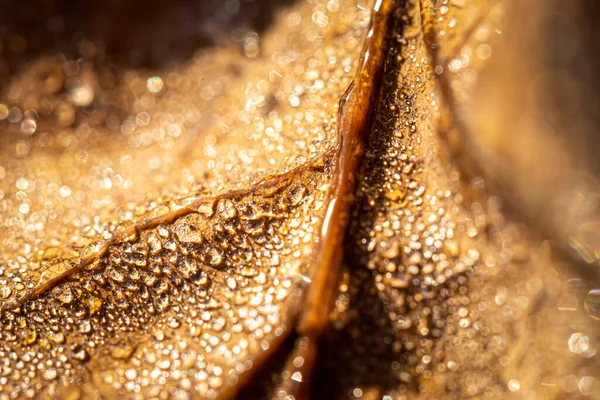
592	303
579	343
187	229
206	209
219	324
215	257
251	45
131	374
85	326
226	209
163	231
215	382
28	127
154	243
65	295
49	374
586	385
170	245
82	96
514	385
30	337
155	84
115	274
158	335
57	337
79	353
296	193
162	302
231	283
199	278
94	304
5	291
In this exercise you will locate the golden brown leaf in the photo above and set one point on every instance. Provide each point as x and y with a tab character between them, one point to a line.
290	201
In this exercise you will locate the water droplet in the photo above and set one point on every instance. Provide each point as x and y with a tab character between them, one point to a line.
320	18
215	382
94	304
30	336
398	282
131	374
85	326
215	257
5	291
28	127
452	247
231	283
159	335
579	343
49	374
79	353
251	45
154	243
162	302
64	191
187	229
170	245
219	324
82	96
592	303
296	193
65	294
163	231
155	84
115	274
297	376
514	385
298	362
57	337
226	209
206	209
199	278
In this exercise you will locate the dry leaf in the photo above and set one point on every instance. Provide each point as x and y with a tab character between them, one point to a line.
210	200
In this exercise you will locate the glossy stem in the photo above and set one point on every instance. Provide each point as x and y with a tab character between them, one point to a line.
354	125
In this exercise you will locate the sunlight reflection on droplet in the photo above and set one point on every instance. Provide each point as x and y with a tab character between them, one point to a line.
155	84
578	343
514	385
592	303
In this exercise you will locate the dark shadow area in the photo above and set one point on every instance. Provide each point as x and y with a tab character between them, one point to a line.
265	381
570	52
125	33
65	63
361	354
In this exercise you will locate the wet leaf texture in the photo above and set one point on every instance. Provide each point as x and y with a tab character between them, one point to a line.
161	228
